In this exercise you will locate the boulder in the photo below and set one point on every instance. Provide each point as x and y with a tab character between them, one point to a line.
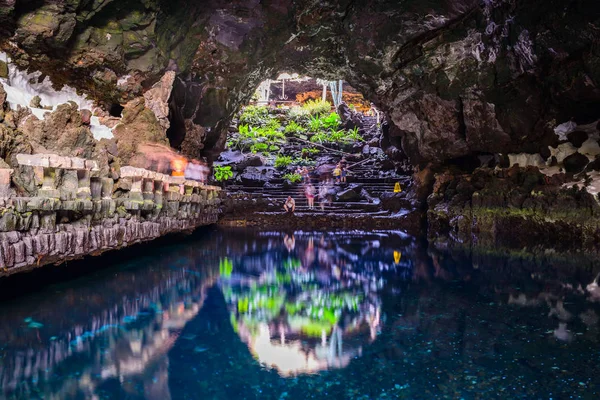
256	176
157	99
350	119
2	96
352	193
61	131
138	125
36	102
239	161
395	201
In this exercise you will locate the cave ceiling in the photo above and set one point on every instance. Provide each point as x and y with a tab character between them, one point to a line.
455	77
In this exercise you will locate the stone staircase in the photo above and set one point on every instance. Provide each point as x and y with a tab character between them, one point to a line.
363	175
370	124
276	192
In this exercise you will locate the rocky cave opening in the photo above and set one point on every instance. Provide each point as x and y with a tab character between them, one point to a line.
413	179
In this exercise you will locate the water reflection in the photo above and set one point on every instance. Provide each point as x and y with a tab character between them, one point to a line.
241	314
68	341
314	302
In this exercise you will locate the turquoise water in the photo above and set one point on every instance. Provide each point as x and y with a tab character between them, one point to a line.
239	314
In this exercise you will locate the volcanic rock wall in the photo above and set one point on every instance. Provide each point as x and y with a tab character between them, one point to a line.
459	79
74	211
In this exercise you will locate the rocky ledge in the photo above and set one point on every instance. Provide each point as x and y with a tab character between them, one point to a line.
73	211
518	208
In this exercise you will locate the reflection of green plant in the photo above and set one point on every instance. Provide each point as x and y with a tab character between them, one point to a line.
292	263
223	173
283	161
225	267
293	178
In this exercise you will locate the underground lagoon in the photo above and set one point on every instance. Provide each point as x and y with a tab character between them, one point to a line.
299	199
237	313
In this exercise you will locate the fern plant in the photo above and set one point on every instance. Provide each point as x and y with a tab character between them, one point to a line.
293	128
293	178
317	107
283	161
315	124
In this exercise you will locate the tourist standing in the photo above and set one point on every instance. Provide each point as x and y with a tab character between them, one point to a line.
323	195
309	192
337	173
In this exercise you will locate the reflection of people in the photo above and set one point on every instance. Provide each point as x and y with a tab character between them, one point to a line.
289	242
289	205
309	254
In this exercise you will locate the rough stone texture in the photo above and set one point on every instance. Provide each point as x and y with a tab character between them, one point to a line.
457	77
139	125
157	99
62	132
69	215
516	208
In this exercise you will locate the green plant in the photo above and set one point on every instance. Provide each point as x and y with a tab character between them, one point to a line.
303	162
354	135
255	115
293	129
299	115
283	161
317	107
337	136
293	178
244	130
332	121
223	173
259	147
315	124
272	124
320	137
310	151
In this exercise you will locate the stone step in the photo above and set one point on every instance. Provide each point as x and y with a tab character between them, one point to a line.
317	210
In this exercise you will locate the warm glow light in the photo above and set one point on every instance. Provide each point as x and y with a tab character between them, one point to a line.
178	166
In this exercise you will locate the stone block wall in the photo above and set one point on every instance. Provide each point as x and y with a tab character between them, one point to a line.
70	210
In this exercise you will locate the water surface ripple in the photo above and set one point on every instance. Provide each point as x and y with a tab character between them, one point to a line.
242	314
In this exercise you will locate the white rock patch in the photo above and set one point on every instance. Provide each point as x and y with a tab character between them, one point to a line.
22	87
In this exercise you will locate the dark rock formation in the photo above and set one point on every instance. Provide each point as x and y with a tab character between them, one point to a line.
457	77
463	82
516	208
